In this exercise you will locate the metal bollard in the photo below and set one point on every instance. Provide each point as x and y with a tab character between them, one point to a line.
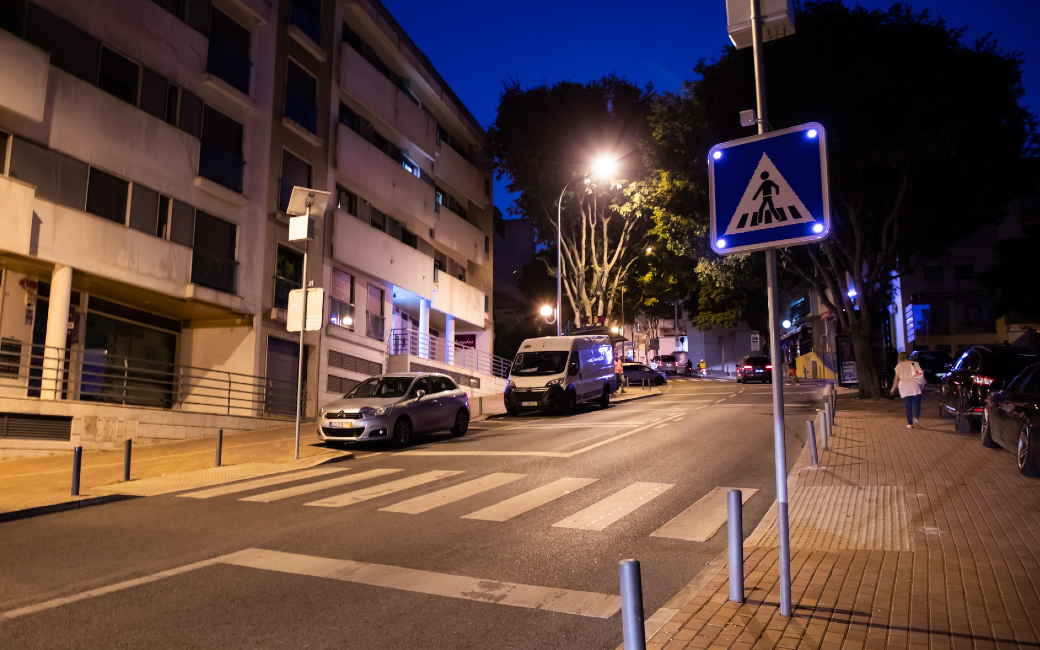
823	429
220	444
77	462
736	546
127	446
632	606
812	444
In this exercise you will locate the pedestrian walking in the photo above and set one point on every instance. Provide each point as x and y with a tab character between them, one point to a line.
909	381
792	372
618	372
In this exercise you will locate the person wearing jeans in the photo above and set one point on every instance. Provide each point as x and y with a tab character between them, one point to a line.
909	382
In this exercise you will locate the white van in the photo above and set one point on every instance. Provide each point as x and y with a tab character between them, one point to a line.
558	372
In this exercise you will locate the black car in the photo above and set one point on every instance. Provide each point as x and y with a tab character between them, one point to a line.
934	363
983	368
755	369
1011	420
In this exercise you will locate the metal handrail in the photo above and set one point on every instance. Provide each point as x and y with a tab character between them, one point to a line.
435	348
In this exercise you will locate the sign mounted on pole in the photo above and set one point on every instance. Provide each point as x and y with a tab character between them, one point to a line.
769	190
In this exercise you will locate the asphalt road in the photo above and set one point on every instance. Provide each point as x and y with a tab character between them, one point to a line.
425	566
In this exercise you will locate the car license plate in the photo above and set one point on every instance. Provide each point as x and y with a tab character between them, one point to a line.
342	424
528	403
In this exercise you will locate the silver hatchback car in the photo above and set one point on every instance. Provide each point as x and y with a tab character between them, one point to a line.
397	407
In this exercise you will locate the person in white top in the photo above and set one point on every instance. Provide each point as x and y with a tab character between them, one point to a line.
909	382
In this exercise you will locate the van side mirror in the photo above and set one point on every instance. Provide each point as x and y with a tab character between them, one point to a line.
419	394
572	369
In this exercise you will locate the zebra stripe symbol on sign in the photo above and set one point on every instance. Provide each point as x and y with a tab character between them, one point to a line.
768	202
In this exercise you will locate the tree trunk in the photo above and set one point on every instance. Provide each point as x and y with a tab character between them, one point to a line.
866	369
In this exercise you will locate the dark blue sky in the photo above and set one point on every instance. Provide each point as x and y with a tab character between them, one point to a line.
477	44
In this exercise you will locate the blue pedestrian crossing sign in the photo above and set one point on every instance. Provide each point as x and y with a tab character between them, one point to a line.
769	190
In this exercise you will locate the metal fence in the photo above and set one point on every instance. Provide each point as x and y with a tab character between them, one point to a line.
434	348
95	375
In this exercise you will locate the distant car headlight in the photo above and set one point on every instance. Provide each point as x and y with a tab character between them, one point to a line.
554	382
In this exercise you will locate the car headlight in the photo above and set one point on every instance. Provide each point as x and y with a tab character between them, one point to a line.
554	382
367	411
510	385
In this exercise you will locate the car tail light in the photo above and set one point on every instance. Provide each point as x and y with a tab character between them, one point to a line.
748	368
769	366
982	380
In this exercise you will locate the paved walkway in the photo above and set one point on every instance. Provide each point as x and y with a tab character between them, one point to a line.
903	538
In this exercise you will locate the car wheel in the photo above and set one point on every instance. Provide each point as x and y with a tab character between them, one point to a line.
658	381
512	413
604	399
569	403
944	413
987	438
1028	464
961	421
461	423
403	432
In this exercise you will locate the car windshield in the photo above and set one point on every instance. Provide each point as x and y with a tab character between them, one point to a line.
668	358
1006	366
758	361
549	362
381	387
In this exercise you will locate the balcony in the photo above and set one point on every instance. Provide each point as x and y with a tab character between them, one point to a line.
460	174
302	112
460	236
461	300
379	255
23	76
213	271
305	29
384	101
230	65
383	181
221	168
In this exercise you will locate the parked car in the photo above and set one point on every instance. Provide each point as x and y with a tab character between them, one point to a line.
665	363
1011	419
755	369
559	372
934	363
983	368
636	373
397	407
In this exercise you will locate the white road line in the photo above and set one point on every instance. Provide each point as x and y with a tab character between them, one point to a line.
260	483
521	503
703	519
357	496
603	513
565	601
452	494
296	491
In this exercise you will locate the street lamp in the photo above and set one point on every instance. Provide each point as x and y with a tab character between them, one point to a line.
602	167
614	329
549	314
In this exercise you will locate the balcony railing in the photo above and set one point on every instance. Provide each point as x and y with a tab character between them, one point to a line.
282	287
303	112
221	168
375	327
308	23
410	342
213	271
230	65
95	375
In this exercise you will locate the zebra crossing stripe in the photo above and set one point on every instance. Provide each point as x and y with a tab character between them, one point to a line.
452	494
521	503
383	489
703	519
602	514
296	491
260	483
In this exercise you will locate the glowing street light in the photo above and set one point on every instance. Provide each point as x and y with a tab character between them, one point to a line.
614	329
549	314
605	167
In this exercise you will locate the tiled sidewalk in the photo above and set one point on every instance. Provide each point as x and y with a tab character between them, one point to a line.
903	538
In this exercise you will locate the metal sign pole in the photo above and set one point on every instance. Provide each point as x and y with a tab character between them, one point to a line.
780	449
303	330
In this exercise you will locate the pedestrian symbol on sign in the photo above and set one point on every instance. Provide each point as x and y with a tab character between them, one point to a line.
752	214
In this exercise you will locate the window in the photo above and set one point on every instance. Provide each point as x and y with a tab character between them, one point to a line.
346	200
194	12
301	97
441	384
220	157
306	14
487	304
341	307
374	313
162	225
348	117
288	275
213	259
378	219
155	90
144	209
933	273
963	271
294	172
228	56
106	196
182	223
12	17
57	177
118	76
411	167
72	49
191	113
487	245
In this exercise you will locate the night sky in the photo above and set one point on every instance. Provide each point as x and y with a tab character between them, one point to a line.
478	44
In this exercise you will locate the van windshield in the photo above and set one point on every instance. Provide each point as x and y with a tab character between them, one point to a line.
533	364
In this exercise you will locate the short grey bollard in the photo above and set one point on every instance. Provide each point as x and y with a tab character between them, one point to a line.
632	606
828	420
736	546
812	444
824	438
220	444
77	462
127	445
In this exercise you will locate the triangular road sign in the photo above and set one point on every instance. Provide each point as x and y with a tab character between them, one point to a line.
768	202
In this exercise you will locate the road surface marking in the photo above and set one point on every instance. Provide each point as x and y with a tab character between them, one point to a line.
357	496
296	491
600	515
259	483
452	494
703	519
521	503
564	601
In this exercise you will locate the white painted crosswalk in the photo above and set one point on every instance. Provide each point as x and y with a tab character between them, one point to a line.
376	491
439	498
703	519
521	503
604	513
296	491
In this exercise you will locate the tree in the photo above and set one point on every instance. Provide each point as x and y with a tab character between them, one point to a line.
544	139
926	137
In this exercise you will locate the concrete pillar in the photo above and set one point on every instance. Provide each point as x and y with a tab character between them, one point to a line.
449	338
424	328
57	331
